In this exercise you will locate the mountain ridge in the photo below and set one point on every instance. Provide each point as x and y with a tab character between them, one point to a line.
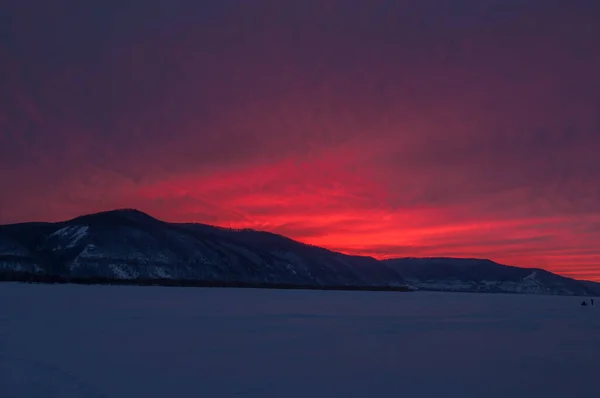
130	245
485	275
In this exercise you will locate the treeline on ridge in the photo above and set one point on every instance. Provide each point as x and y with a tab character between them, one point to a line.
27	277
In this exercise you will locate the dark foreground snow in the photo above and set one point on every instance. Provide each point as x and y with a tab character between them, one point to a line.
98	341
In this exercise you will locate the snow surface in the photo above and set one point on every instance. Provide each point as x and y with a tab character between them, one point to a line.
73	233
113	341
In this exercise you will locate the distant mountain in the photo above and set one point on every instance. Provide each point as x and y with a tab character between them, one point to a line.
477	275
130	245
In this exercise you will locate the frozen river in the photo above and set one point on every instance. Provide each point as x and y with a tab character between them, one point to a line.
125	342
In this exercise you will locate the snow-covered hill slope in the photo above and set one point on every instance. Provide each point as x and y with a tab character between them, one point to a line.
128	244
477	275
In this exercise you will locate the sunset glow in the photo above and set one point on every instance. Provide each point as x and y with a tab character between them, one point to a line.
389	129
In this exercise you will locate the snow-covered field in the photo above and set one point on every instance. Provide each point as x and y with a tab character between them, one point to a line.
99	341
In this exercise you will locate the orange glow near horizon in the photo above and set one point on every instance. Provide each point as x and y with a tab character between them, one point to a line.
347	213
350	215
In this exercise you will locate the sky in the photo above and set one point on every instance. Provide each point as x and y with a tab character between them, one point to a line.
467	128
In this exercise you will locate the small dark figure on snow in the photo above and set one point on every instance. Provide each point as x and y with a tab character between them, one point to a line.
592	301
584	303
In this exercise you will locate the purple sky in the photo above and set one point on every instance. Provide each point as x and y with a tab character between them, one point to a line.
387	128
